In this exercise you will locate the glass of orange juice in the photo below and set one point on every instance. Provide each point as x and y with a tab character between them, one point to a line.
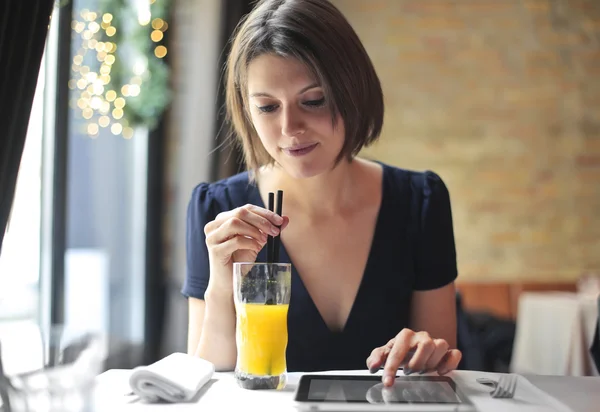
262	297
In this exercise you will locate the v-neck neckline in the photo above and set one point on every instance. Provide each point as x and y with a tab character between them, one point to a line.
297	279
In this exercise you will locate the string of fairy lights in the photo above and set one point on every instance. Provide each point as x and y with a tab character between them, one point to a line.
104	85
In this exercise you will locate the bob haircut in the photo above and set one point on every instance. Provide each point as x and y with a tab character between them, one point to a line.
317	34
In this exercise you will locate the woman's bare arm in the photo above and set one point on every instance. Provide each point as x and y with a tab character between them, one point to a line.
211	330
434	311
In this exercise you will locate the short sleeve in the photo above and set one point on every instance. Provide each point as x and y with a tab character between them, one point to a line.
436	250
202	209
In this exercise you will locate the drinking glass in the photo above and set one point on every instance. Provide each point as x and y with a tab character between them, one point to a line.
60	369
261	296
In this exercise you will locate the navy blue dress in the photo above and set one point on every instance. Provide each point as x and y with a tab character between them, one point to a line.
413	249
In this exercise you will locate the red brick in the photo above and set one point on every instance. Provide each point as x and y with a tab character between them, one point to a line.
498	114
586	236
548	190
591	146
372	6
478	6
592	25
588	188
503	238
585	6
487	57
508	23
543	59
589	62
523	131
436	42
444	7
538	237
537	5
564	39
588	160
489	206
402	41
419	57
544	176
553	73
474	270
541	23
568	86
440	23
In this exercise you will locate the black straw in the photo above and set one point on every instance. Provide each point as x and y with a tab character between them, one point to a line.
270	238
277	240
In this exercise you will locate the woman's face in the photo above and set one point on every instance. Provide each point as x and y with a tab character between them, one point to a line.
292	117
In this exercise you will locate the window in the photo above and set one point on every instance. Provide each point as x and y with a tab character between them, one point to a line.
20	255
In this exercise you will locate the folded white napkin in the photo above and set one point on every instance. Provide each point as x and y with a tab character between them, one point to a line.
175	378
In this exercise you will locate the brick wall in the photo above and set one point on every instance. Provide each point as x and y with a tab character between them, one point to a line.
502	99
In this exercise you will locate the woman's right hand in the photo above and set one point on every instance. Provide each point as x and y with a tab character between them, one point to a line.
239	234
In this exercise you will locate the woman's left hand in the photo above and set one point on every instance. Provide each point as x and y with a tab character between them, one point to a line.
429	354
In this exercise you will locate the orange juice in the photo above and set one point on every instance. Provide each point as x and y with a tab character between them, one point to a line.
261	338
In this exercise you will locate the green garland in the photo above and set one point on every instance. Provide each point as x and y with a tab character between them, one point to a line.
130	88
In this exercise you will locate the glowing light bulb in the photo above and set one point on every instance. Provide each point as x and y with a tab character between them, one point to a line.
104	121
116	129
92	129
160	51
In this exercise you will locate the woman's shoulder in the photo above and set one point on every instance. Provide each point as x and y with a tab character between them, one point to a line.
223	194
223	187
423	182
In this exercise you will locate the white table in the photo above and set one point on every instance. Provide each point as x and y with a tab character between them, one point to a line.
554	333
578	394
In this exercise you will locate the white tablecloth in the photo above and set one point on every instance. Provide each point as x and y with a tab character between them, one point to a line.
554	333
222	393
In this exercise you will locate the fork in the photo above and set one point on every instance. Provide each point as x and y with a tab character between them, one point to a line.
506	387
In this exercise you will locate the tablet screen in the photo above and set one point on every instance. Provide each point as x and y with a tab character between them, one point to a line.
369	389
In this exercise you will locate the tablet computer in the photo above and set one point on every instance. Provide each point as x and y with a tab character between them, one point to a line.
367	393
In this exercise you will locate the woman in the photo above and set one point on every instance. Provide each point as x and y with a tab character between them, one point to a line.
372	246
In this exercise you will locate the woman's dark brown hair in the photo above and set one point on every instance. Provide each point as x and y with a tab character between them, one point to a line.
317	34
